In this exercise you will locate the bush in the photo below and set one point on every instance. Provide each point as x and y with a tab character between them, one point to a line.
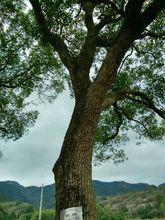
145	212
46	215
107	214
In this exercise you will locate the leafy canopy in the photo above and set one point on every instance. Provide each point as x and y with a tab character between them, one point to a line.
29	63
26	66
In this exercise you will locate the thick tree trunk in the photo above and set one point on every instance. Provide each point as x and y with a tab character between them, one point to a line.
74	186
73	170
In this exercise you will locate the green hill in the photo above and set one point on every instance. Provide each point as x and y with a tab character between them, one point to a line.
13	191
144	205
135	205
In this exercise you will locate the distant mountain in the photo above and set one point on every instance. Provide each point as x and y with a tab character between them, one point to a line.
163	184
118	187
15	192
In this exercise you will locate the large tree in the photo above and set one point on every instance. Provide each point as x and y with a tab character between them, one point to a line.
112	57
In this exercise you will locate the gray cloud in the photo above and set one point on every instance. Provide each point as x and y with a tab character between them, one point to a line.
30	160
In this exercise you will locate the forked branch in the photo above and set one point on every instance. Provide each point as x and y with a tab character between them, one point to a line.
145	100
151	13
134	96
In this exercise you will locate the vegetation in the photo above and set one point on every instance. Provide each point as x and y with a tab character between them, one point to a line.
15	192
16	211
138	205
107	214
25	67
46	215
87	43
22	211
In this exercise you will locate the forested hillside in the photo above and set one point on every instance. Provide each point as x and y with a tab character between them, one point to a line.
135	205
22	211
144	205
13	191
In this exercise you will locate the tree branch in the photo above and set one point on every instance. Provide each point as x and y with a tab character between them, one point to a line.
89	47
134	25
53	39
107	2
124	41
85	58
145	100
102	41
110	101
150	14
11	51
88	8
144	52
153	35
119	115
135	120
131	95
118	125
106	20
132	15
10	82
122	5
120	68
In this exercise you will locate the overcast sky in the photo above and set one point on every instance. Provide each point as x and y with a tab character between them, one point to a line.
29	161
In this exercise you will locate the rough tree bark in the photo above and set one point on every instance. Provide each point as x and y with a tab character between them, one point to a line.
73	169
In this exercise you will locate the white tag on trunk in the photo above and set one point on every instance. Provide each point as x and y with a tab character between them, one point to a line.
74	213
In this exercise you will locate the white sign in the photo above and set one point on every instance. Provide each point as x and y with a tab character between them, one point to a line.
74	213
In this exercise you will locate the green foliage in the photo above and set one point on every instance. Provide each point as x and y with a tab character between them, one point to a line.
26	66
5	216
107	214
16	211
46	215
139	205
61	18
145	213
142	73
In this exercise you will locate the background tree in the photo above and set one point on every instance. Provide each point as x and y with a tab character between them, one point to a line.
112	52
